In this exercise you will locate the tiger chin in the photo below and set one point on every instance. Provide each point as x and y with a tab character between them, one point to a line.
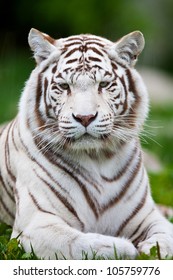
72	178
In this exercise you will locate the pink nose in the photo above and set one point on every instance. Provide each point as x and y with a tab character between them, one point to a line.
85	120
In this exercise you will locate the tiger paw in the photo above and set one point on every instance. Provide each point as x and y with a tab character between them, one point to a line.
118	247
106	246
165	245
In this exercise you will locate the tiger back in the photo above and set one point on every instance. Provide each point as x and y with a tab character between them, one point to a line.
71	171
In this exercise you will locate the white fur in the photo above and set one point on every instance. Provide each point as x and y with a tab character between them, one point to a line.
77	172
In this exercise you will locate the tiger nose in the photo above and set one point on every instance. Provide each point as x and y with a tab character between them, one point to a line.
85	120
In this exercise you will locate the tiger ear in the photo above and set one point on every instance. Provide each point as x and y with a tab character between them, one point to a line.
41	44
129	47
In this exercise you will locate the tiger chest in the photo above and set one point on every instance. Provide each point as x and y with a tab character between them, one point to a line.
78	194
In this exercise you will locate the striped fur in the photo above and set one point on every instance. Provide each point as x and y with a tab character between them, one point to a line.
71	172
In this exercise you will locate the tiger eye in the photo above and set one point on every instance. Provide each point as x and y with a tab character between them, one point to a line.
103	84
64	86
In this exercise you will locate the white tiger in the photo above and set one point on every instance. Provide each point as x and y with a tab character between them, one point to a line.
71	172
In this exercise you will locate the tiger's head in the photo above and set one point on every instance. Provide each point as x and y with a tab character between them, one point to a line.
86	94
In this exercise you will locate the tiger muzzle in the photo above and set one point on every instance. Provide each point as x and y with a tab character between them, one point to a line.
85	120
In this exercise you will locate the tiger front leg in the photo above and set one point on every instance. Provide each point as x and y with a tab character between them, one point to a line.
51	237
159	231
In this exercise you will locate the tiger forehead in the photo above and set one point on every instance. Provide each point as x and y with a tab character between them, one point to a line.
84	53
85	40
84	44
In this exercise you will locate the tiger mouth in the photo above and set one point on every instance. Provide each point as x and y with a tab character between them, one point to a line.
88	137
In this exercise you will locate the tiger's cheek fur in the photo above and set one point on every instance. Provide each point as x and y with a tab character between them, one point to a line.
71	170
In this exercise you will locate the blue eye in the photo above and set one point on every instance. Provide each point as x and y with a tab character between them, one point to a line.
103	84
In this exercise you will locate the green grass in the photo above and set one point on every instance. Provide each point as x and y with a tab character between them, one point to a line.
15	69
161	144
11	249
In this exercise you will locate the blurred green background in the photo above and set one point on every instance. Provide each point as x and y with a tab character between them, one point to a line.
112	19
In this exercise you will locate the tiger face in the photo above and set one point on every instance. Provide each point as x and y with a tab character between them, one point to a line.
89	96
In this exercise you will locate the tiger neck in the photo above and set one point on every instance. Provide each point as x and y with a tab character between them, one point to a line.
106	158
108	165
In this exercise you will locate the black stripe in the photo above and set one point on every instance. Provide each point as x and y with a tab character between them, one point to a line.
53	158
7	210
34	160
88	42
96	51
50	176
134	213
54	69
72	174
72	38
7	156
2	183
81	171
45	97
72	44
124	188
12	134
72	60
114	66
102	125
34	200
138	228
94	59
125	104
39	119
121	65
93	39
143	235
132	88
123	170
61	198
137	186
71	52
